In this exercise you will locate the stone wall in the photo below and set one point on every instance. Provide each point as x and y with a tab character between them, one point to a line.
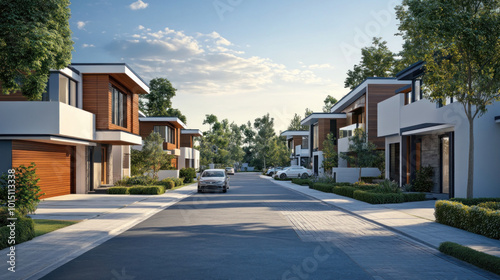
431	156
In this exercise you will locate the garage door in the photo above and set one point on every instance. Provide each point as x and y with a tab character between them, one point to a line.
54	163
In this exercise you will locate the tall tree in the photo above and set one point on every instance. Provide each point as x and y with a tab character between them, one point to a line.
329	102
265	133
376	61
154	155
158	103
460	44
34	38
279	155
308	112
331	158
295	123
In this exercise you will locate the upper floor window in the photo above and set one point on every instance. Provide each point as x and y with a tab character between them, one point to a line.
166	132
67	90
316	136
305	142
118	107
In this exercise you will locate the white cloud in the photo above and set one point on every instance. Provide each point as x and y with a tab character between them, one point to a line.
88	46
204	63
140	27
321	66
138	5
81	25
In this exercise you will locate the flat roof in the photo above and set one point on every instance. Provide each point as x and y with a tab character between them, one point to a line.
314	117
111	68
359	90
294	133
195	132
412	71
173	120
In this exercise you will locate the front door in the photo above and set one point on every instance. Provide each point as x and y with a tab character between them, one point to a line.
316	165
104	165
446	158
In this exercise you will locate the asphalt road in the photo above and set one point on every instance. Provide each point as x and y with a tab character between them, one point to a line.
258	230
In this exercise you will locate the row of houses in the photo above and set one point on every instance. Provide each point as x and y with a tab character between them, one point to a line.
81	132
412	131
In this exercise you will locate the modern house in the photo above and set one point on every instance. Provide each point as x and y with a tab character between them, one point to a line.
178	140
420	133
79	135
298	143
357	109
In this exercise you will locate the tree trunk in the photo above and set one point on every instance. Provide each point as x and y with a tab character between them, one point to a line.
470	173
359	179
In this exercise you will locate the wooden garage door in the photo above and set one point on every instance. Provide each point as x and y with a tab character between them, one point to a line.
54	163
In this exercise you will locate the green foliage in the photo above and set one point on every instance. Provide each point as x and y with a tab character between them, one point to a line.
25	229
136	180
147	190
423	179
263	138
331	158
344	190
295	124
34	37
361	152
154	155
117	190
376	61
283	179
378	198
388	186
376	194
324	187
409	197
27	190
138	162
329	102
475	201
43	226
471	218
490	205
158	103
278	153
302	182
178	181
479	259
168	183
188	174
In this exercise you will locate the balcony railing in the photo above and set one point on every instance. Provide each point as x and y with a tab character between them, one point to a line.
348	131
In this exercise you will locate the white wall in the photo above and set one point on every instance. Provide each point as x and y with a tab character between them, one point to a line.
342	147
81	170
351	174
388	117
163	174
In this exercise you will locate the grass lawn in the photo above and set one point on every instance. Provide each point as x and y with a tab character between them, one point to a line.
43	226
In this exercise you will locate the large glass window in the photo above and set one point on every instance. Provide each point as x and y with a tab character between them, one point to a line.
118	102
316	136
166	132
67	90
305	142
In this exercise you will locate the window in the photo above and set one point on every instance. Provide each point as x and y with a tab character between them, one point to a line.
305	142
67	90
166	132
316	136
118	102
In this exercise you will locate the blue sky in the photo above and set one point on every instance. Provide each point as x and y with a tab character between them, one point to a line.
237	59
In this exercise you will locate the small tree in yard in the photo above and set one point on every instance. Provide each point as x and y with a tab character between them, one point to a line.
154	156
460	44
361	153
331	158
27	191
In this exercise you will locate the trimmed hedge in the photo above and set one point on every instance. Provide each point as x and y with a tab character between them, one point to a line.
475	201
409	197
178	181
168	183
286	179
490	205
378	198
188	174
118	190
302	182
344	191
471	218
146	190
25	230
324	187
479	259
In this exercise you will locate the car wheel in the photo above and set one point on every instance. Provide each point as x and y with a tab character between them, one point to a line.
199	191
283	176
224	190
271	174
304	176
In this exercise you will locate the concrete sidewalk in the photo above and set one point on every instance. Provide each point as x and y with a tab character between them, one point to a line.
103	216
412	219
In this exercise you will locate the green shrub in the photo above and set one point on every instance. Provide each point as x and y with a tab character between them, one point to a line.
388	186
153	190
423	179
490	205
475	201
27	190
168	183
471	218
409	197
118	190
188	174
344	191
369	179
302	182
140	180
25	230
324	187
285	179
378	198
479	259
178	181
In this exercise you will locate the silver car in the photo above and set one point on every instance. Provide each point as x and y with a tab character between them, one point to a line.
213	179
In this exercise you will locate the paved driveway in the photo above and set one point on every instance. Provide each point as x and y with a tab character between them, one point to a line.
259	230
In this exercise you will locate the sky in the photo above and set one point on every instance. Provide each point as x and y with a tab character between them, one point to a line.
236	59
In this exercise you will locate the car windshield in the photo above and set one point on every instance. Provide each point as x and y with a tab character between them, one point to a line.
213	174
228	168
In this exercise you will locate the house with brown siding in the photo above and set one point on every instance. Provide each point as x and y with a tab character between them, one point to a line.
79	135
357	109
298	144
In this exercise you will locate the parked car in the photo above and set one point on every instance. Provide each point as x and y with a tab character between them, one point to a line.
213	179
229	171
294	172
271	171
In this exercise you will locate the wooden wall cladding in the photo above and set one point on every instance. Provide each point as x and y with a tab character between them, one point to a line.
135	114
147	128
55	165
376	94
297	140
324	129
186	140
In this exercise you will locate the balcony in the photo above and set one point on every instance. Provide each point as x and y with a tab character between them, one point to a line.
45	120
348	131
